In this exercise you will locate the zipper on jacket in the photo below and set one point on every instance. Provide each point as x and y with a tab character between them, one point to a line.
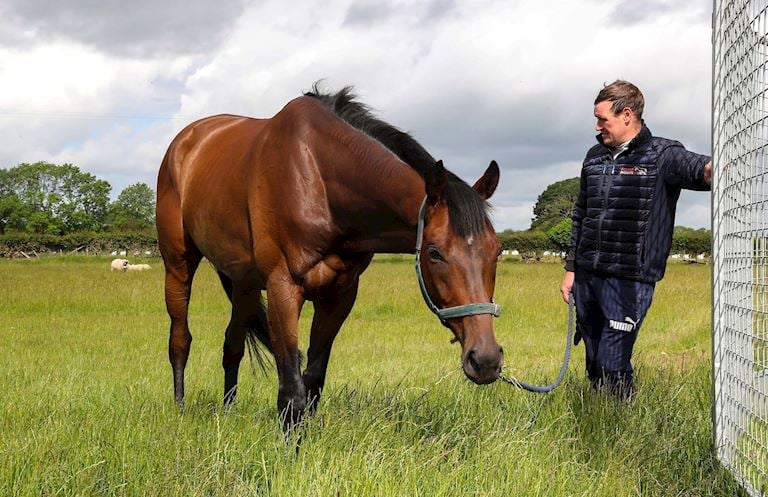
604	190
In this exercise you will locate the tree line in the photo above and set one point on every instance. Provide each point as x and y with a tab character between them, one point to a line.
50	199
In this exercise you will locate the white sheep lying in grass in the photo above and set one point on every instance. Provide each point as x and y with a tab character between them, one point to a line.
137	267
119	265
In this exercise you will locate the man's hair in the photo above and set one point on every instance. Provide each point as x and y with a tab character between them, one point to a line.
622	94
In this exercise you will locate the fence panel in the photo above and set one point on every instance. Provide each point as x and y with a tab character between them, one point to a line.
740	238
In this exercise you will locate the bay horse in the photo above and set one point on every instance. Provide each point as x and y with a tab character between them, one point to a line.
296	205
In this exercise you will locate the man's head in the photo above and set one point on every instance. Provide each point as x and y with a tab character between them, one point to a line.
619	112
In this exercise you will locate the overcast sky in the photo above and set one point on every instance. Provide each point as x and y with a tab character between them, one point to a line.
106	84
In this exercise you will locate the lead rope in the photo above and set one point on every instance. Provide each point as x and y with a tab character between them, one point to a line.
568	342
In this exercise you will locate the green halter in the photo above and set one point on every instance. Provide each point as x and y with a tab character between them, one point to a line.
448	312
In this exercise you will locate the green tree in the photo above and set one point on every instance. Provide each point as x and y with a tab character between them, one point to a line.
134	208
691	241
13	213
555	204
560	235
54	199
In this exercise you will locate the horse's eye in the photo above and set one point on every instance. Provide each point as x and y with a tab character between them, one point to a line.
435	255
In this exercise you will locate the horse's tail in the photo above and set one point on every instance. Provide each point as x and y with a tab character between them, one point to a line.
257	338
257	333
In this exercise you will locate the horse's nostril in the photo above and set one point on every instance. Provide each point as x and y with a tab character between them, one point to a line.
501	350
473	361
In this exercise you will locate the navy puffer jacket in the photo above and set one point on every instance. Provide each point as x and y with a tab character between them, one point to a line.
625	214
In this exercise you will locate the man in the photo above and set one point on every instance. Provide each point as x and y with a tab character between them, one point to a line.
622	230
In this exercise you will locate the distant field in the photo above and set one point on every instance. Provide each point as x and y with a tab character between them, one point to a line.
86	406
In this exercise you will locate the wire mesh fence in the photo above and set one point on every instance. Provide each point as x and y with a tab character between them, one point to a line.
740	238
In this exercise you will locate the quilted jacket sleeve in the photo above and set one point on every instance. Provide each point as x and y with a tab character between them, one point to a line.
578	215
684	168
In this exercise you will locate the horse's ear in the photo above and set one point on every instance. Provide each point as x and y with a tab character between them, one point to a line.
434	182
487	184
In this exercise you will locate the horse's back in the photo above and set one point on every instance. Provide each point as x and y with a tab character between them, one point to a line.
227	144
200	145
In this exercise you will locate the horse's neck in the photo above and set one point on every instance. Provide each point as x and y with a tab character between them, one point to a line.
388	222
374	195
384	206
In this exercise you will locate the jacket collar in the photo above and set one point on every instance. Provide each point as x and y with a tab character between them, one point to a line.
640	139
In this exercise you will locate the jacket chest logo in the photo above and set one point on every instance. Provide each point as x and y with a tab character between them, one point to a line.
634	170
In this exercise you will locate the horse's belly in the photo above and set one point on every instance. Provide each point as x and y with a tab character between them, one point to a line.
333	273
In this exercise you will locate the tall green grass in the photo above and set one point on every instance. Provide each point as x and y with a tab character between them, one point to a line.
86	407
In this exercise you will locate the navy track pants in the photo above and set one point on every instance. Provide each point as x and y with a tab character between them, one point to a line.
609	312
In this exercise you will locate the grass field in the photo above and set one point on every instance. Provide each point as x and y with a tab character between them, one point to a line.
86	406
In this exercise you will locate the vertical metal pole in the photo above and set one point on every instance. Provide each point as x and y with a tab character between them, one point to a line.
714	228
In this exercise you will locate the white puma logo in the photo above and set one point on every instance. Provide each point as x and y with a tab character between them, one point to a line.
627	326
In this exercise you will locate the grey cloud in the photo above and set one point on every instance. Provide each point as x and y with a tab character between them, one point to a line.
361	14
138	28
631	12
371	12
525	134
469	127
438	9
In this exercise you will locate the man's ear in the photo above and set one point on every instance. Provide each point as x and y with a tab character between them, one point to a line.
627	114
434	182
487	184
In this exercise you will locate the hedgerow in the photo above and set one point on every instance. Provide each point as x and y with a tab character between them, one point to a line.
28	244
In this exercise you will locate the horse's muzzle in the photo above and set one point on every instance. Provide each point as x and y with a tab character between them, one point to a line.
483	365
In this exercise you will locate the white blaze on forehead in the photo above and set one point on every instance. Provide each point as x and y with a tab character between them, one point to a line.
470	240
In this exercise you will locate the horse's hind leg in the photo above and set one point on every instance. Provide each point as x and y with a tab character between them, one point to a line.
234	349
181	258
234	346
330	314
178	286
248	315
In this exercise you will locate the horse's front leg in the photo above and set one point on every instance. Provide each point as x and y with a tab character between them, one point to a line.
330	314
285	299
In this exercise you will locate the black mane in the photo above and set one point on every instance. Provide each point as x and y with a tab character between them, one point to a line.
467	211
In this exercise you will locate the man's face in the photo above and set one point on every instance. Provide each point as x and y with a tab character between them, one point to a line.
614	128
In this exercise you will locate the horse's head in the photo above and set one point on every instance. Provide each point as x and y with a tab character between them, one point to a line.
457	262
